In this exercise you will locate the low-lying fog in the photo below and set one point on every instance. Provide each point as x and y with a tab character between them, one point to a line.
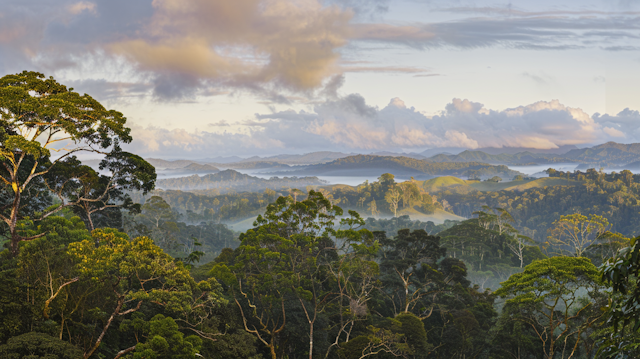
533	171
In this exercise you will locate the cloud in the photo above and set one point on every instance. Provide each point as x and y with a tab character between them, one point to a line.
332	86
546	31
541	79
221	123
622	48
109	91
363	8
384	69
287	44
81	6
277	49
349	124
182	46
625	125
512	11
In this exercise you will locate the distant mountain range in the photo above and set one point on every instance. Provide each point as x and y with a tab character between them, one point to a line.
522	158
607	154
368	165
230	180
610	155
305	159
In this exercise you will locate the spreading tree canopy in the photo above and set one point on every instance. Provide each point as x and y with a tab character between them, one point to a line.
43	124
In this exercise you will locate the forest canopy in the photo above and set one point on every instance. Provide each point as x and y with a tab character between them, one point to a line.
98	263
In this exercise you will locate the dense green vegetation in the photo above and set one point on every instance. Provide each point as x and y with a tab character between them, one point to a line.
101	265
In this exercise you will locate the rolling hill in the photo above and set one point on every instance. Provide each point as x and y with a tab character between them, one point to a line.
228	180
404	166
607	154
521	158
458	185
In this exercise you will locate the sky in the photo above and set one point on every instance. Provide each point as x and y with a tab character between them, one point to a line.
207	78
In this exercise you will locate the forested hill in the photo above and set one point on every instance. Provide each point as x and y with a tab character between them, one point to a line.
227	180
610	154
607	154
164	164
405	166
521	158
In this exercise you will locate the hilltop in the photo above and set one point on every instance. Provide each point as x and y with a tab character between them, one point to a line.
607	154
230	180
404	166
521	158
458	185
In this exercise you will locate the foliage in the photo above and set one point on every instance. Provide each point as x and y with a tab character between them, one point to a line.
391	226
283	260
39	113
38	345
554	296
575	233
166	341
621	273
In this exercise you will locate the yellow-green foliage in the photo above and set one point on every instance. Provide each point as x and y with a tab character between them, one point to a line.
440	183
541	182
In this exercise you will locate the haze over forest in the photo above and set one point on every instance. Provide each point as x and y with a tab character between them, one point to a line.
322	179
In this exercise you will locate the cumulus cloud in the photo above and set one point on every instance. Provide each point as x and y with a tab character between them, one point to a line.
185	45
276	48
349	124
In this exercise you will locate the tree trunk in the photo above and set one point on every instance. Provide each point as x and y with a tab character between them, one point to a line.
13	221
104	330
272	349
311	341
88	210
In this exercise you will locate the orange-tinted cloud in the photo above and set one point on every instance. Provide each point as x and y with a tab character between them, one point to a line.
349	124
243	42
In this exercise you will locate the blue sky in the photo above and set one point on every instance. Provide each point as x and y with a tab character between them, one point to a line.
202	78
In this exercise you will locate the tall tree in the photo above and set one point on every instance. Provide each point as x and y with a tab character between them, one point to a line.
93	193
38	116
410	272
286	259
393	198
574	233
128	273
549	296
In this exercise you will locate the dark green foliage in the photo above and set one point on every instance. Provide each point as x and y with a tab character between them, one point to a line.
413	331
391	226
512	338
307	281
159	221
622	272
166	341
615	196
555	297
38	346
